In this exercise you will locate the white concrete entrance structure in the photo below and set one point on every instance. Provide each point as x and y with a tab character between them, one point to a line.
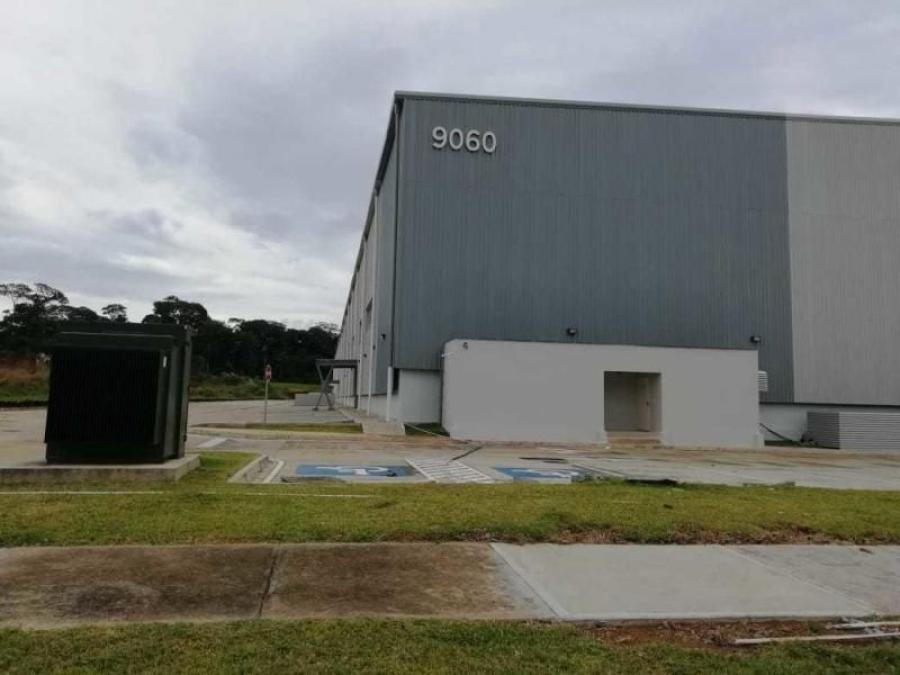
541	391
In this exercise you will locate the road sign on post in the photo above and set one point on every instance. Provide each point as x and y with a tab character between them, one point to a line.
268	377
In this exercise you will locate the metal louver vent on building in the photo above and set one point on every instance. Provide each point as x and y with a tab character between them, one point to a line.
858	430
763	380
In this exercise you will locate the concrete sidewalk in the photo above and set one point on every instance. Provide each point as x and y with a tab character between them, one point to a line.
60	586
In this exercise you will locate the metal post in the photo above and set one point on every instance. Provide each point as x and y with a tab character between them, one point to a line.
266	404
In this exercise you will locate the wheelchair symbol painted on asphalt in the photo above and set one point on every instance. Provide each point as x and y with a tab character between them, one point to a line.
352	470
526	473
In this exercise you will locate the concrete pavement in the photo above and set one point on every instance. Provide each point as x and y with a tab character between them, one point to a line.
60	586
21	432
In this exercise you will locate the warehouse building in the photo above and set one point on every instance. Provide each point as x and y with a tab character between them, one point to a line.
547	270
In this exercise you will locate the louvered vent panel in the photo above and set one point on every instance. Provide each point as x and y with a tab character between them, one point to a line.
103	395
855	430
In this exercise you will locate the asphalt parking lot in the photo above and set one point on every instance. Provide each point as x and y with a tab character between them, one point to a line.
414	459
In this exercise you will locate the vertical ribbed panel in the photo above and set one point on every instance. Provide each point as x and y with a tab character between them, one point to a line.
373	283
844	202
103	396
855	430
631	226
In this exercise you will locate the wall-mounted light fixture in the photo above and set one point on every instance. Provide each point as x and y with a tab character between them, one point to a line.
571	331
756	339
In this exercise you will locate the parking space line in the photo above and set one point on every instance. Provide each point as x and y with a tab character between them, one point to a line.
448	471
279	465
212	442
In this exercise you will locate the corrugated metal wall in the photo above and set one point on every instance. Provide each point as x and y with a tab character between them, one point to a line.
633	226
384	297
844	201
373	283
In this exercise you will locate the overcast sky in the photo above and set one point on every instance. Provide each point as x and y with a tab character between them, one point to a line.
225	151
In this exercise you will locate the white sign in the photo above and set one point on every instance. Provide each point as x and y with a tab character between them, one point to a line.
472	140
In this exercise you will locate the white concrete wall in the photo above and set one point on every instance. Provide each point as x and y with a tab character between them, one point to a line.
537	391
419	397
378	405
417	400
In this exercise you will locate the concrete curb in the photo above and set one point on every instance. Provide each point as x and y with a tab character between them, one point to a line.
43	474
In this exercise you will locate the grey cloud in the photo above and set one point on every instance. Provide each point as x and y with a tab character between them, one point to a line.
300	138
155	147
143	231
79	270
270	142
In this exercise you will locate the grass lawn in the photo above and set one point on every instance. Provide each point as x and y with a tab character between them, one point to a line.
385	646
238	388
23	392
23	383
34	390
202	508
324	427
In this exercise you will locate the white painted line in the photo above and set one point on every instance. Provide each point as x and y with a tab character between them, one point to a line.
287	494
80	492
447	471
239	475
95	493
212	442
279	465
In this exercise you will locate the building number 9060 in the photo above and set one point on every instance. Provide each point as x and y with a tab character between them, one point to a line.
457	139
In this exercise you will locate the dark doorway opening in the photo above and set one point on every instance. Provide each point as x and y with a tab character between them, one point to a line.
631	401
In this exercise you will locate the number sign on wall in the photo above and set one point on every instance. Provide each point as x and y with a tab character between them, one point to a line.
472	140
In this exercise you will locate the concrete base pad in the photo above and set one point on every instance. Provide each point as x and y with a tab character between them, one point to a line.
41	473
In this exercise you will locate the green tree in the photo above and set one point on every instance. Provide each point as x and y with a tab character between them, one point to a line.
173	309
36	311
115	312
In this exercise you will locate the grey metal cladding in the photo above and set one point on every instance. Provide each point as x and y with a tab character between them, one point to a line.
844	205
385	219
638	227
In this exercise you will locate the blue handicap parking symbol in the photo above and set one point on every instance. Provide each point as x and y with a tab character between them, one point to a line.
522	473
352	470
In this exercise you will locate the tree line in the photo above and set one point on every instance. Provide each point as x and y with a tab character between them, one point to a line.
236	346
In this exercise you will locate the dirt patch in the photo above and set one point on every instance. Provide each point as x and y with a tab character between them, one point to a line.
609	536
444	580
705	634
53	586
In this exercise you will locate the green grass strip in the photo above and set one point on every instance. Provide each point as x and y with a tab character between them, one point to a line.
203	508
384	646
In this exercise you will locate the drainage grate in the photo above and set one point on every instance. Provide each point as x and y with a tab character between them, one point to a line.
448	471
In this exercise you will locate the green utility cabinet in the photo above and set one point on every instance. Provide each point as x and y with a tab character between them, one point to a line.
118	393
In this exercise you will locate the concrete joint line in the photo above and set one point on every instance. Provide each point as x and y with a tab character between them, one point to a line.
267	589
541	592
796	577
